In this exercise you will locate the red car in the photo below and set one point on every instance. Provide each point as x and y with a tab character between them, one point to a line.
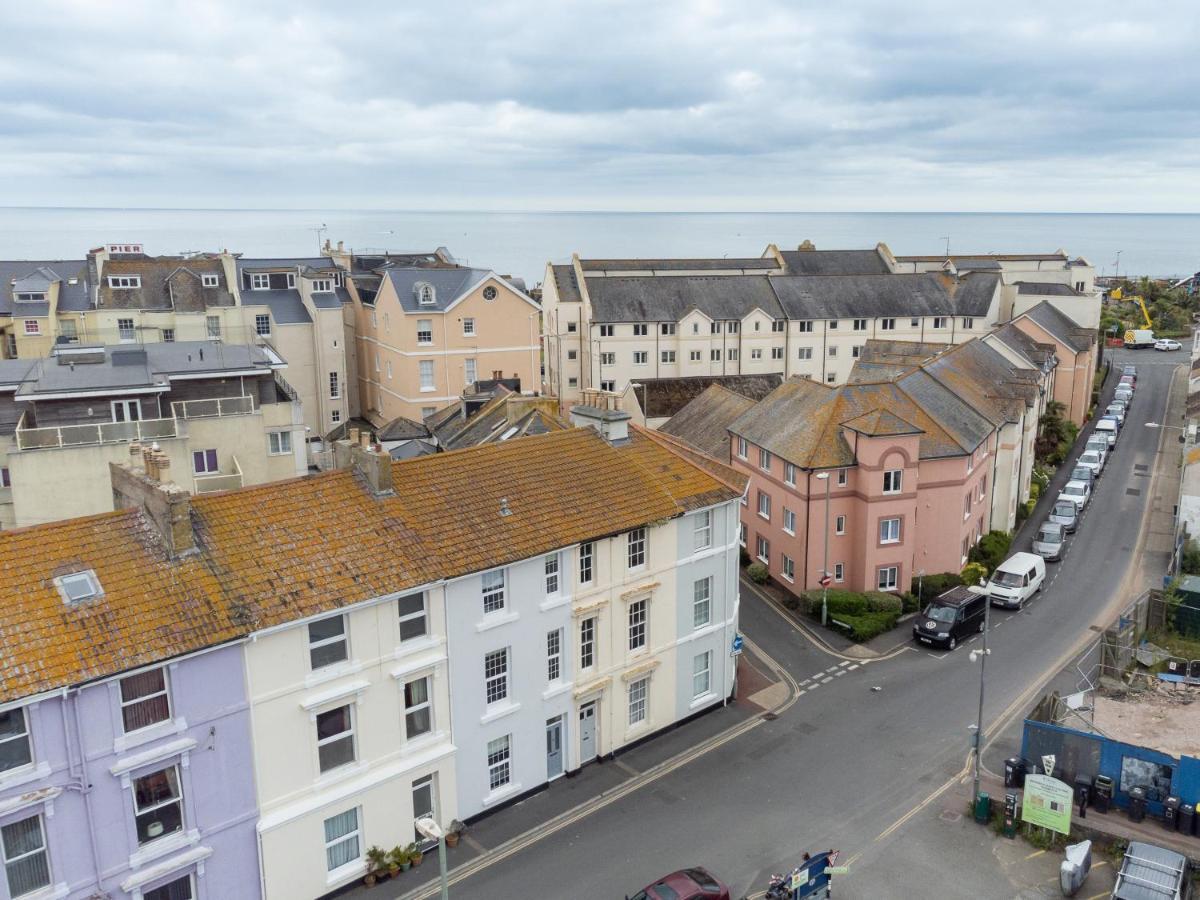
686	884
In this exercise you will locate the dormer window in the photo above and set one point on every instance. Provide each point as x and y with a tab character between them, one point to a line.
208	279
425	294
125	282
30	298
78	586
260	282
322	286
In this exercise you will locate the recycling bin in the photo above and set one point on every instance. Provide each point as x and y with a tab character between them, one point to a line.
1170	813
1187	818
1137	804
1102	793
1014	772
983	808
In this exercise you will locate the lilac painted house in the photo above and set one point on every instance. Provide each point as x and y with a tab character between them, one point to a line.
120	776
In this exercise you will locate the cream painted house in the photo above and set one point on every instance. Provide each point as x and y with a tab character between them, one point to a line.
425	332
612	323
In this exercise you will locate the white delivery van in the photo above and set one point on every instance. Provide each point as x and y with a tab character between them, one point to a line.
1016	580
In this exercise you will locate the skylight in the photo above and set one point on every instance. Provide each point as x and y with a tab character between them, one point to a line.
78	586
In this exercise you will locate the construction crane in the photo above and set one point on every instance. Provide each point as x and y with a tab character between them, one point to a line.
1140	337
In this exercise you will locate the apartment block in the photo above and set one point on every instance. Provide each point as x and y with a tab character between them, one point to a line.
428	328
221	415
614	323
269	691
1077	350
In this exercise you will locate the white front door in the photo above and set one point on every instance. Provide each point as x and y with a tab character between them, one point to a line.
587	732
554	747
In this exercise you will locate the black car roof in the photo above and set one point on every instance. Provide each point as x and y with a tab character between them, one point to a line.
956	596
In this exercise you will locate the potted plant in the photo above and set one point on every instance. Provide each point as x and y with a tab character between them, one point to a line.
399	858
393	862
376	863
415	854
453	833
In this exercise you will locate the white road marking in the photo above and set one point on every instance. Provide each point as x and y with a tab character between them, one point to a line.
839	672
801	693
852	668
827	680
832	669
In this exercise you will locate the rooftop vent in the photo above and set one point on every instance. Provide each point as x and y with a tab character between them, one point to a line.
78	586
504	510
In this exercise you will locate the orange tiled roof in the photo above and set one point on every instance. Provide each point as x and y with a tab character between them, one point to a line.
283	551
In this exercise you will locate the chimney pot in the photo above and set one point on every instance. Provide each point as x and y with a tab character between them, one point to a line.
354	434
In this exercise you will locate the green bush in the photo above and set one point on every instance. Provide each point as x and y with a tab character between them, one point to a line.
972	572
877	601
745	557
925	589
791	601
863	627
1189	559
910	603
758	573
992	548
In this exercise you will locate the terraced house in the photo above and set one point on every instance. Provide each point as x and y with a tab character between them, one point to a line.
613	323
578	589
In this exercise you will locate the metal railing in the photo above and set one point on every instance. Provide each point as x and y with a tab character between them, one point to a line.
52	437
228	481
217	406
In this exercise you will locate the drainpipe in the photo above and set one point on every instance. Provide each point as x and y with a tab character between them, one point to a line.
85	789
807	521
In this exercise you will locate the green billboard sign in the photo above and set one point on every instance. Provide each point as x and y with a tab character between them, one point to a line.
1047	803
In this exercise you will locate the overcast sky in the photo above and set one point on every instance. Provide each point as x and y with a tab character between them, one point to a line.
701	105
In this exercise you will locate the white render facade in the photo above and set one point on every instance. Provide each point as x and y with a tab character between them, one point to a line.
583	653
350	713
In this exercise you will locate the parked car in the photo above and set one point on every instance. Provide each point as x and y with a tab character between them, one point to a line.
1092	459
1108	429
1085	474
1113	419
956	614
686	884
1116	409
1066	514
1149	872
1167	344
1099	443
1124	392
1129	380
1016	580
1048	542
1077	492
1130	370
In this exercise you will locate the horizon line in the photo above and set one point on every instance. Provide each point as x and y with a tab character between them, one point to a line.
650	212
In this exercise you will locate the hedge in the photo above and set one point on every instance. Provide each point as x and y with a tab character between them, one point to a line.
864	615
868	625
935	585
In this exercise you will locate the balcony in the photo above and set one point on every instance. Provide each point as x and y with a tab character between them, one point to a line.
221	481
208	409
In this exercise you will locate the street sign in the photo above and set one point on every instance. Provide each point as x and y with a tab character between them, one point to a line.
1047	803
1048	764
825	581
738	641
837	870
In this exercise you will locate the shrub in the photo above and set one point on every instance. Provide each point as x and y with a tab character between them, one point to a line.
745	557
1189	559
932	586
758	573
863	627
792	602
877	601
972	572
992	548
910	603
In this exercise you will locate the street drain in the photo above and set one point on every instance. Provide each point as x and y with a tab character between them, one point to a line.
1095	628
1133	492
1140	467
770	717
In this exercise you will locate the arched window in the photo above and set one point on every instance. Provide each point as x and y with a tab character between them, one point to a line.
425	294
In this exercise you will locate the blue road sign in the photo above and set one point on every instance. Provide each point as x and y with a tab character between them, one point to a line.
737	643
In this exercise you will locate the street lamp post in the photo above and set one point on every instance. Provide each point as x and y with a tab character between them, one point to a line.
432	830
981	656
824	476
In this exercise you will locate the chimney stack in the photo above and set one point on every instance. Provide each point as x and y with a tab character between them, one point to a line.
613	424
166	505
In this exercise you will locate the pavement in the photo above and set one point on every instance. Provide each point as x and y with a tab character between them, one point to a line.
864	754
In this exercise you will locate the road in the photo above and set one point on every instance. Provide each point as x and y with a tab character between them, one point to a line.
851	762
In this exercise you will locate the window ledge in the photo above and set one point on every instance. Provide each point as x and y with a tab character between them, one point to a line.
339	692
166	867
554	602
161	847
885	543
428	390
329	673
422	742
500	710
149	734
702	700
356	869
24	775
417	645
496	619
556	690
419	663
501	793
126	764
341	773
50	892
788	532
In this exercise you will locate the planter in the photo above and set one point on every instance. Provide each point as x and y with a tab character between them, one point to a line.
404	866
451	838
417	857
369	879
393	871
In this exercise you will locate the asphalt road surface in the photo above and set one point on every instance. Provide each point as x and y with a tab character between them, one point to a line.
847	766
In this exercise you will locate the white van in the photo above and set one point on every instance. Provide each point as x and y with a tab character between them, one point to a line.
1107	428
1016	579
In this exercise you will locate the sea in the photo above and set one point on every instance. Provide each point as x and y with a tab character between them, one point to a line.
521	243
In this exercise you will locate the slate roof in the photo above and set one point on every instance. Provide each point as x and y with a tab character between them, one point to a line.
703	423
72	297
874	296
664	397
264	558
1050	290
282	263
506	415
448	286
880	422
756	263
1012	257
285	304
402	429
1061	326
1040	355
668	299
566	283
834	262
167	282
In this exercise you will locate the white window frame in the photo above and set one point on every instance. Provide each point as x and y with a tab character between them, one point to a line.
355	835
940	321
668	329
893	481
495	676
756	353
606	331
889	530
553	571
636	549
468	327
789	473
776	353
342	638
762	549
207	456
470	370
702	531
640	329
144	699
860	325
804	353
163	804
641	357
789	521
212	326
425	374
499	762
587	562
322	286
493	586
832	351
126	331
788	568
279	443
412	616
764	459
843	476
608	384
702	668
639	624
260	281
714	356
887	324
839	525
125	282
554	642
742	447
667	357
742	532
764	505
702	602
350	732
21	736
804	326
41	850
694	356
839	572
968	322
209	280
587	643
887	577
335	386
638	701
415	709
732	354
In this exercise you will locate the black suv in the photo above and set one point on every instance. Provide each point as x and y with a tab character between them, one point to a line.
950	618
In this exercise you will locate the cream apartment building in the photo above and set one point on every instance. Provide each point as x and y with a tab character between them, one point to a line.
426	332
611	323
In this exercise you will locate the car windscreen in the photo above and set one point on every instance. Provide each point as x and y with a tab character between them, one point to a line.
1074	490
702	878
1007	579
1083	473
1048	537
1065	509
940	613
